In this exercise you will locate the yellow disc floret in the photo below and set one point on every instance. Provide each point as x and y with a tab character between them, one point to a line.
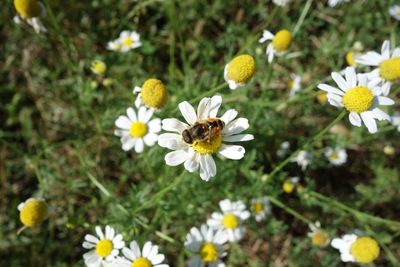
208	146
104	248
128	41
390	69
208	252
365	249
27	8
138	129
141	262
34	212
98	67
288	187
258	207
282	40
230	221
241	69
322	98
350	58
334	156
154	94
319	238
358	99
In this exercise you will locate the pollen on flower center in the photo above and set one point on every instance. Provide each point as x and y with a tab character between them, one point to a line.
282	40
334	155
258	207
230	221
358	99
104	247
241	69
390	69
27	8
319	238
208	146
208	252
128	41
33	212
365	249
154	94
141	262
138	129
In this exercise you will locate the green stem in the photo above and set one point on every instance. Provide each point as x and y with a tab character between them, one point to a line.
302	17
280	204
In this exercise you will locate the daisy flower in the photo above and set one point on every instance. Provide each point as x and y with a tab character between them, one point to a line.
129	40
294	84
318	236
98	67
290	184
195	151
153	94
33	212
389	150
303	159
333	3
394	11
230	221
239	71
281	2
353	248
388	67
261	208
360	96
283	149
104	248
148	257
114	45
30	11
136	130
337	156
395	119
280	43
207	243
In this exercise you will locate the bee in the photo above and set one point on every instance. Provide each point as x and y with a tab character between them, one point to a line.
203	130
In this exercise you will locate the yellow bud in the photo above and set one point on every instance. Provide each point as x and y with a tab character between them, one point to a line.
27	8
154	94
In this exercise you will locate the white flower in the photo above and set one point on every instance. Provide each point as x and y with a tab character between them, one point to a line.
394	11
30	11
129	40
333	3
337	156
360	97
239	71
207	244
284	148
199	153
104	248
279	45
281	2
395	119
261	208
33	212
230	221
148	257
353	248
388	67
294	85
303	159
114	45
137	129
317	235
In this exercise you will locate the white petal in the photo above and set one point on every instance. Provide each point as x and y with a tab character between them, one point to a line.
380	115
155	125
215	104
385	101
174	125
369	121
232	151
330	89
371	58
99	232
135	248
123	122
146	249
131	114
204	108
355	119
351	77
340	81
128	143
91	238
188	112
150	139
171	141
142	113
239	138
88	245
236	126
385	51
192	163
229	115
139	145
207	167
129	254
175	158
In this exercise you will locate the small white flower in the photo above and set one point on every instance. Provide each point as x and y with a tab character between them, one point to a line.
261	208
279	45
333	3
303	159
230	221
294	85
353	248
281	2
395	119
207	244
289	185
129	40
148	257
104	248
394	11
114	45
198	155
337	156
136	130
30	11
283	150
360	97
317	235
239	71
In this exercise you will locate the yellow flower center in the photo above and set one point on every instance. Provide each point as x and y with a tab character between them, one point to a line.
334	156
241	69
27	8
128	41
208	146
290	84
288	187
358	99
98	67
230	221
104	248
258	207
141	262
319	238
33	213
350	58
208	252
365	249
390	69
282	40
154	93
138	129
322	98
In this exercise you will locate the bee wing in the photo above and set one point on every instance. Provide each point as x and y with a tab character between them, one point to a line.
203	110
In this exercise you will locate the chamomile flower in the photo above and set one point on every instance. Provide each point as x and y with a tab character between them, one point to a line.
395	120
294	84
318	236
394	11
261	208
104	248
114	45
230	221
199	146
153	94
289	185
389	150
129	40
336	156
239	71
147	257
281	2
355	248
333	3
280	43
303	159
360	96
33	212
98	67
388	67
137	129
207	243
30	11
283	149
